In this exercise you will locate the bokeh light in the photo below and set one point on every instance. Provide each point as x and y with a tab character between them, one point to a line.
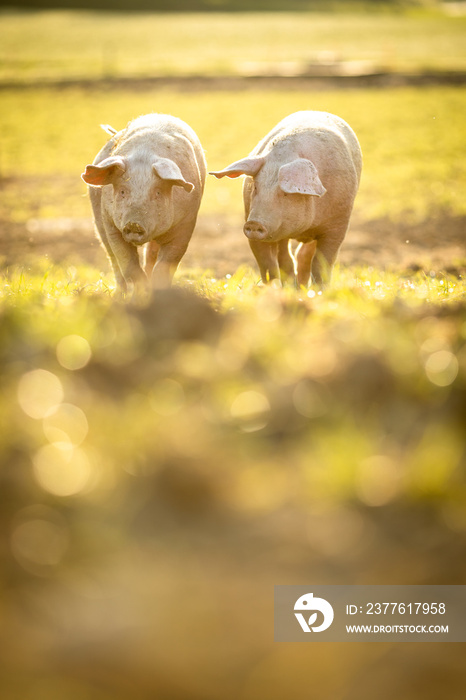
62	470
68	424
442	367
73	352
39	393
250	409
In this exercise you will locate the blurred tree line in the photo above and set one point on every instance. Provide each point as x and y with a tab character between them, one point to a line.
202	5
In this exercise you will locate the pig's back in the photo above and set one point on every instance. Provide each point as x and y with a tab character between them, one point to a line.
326	137
165	135
162	124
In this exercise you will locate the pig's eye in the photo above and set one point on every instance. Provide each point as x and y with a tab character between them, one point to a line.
157	193
122	192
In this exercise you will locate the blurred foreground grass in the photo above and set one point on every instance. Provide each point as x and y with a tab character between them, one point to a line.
165	464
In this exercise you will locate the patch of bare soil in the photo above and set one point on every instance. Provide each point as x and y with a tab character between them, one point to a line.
219	246
313	77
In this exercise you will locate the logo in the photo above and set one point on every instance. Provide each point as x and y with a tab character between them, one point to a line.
308	604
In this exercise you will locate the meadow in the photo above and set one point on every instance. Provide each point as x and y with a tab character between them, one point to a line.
166	462
413	141
73	45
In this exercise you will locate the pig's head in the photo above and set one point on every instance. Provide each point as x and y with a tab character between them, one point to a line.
140	195
279	195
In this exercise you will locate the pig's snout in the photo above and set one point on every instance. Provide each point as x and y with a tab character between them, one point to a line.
134	233
255	231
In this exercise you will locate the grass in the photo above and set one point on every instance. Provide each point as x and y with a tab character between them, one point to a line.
60	45
413	141
268	362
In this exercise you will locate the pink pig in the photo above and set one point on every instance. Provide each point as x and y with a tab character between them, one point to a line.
301	181
146	186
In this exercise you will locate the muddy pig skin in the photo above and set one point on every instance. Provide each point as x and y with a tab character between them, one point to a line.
301	181
145	188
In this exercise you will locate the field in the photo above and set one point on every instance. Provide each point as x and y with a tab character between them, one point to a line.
167	461
410	208
57	45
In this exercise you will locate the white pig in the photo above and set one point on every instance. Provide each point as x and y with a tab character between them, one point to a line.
301	182
146	186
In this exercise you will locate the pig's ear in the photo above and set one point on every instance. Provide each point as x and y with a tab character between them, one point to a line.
104	172
168	170
300	177
246	166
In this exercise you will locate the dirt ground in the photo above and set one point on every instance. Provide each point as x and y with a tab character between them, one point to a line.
316	76
219	246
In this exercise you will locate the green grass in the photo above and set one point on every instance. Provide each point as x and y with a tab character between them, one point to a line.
57	45
266	362
413	141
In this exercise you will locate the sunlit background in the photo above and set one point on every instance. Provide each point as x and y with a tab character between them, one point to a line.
166	462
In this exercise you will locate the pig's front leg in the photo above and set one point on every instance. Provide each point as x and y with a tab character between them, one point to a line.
171	250
95	195
127	258
286	261
266	255
151	255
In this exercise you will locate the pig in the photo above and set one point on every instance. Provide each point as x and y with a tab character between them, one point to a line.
301	181
145	187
